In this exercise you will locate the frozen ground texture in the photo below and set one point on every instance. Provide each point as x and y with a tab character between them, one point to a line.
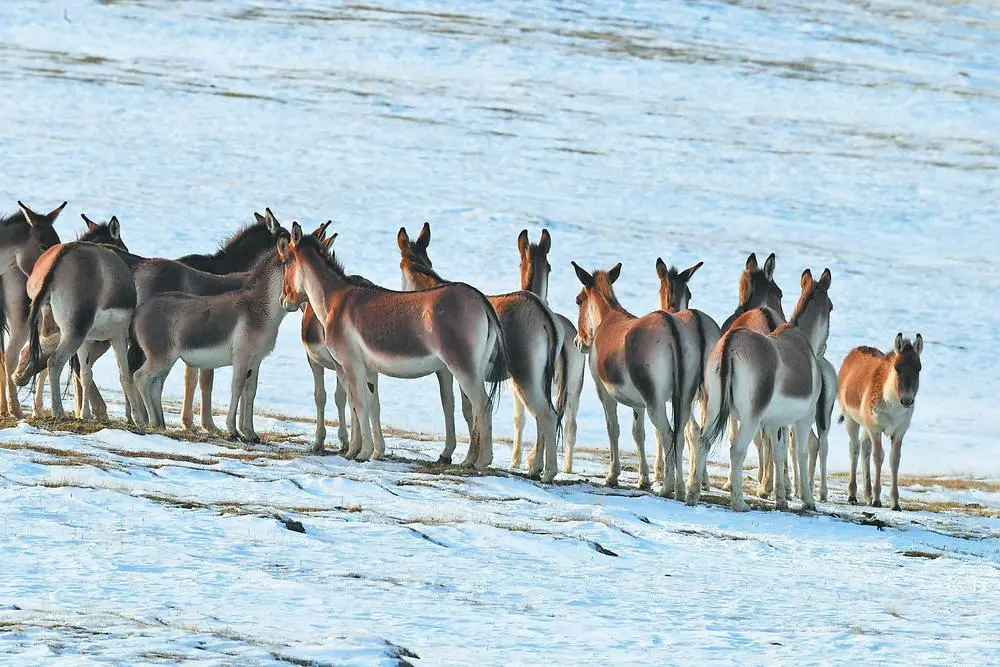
859	136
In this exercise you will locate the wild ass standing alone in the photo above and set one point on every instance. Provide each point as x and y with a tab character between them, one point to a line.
568	380
92	296
236	328
24	236
700	333
533	342
877	393
768	381
371	331
319	359
638	362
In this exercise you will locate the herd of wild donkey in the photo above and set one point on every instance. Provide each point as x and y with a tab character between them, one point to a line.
765	377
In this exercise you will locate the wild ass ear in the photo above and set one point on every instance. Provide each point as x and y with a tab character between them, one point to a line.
283	248
327	243
688	272
613	274
769	267
403	239
272	222
897	343
30	216
661	268
825	279
424	239
583	276
807	279
261	220
918	344
752	262
320	232
91	225
545	243
522	242
296	232
115	228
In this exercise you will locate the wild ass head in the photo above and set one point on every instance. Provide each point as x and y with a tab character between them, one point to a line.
415	263
295	251
535	267
674	292
757	286
905	361
812	312
25	235
595	299
104	233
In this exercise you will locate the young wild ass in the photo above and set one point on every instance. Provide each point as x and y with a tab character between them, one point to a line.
638	362
236	328
768	381
24	236
92	296
533	341
319	358
877	393
570	367
371	331
700	334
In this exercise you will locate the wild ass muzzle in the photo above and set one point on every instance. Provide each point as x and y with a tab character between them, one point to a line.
533	342
236	328
92	296
24	236
371	331
638	362
877	393
699	334
567	385
768	381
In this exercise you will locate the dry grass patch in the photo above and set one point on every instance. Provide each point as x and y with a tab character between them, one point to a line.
943	506
916	553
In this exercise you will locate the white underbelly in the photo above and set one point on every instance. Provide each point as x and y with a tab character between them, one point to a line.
215	356
109	323
405	367
785	410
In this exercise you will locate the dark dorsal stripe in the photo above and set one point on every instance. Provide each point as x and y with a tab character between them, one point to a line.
772	321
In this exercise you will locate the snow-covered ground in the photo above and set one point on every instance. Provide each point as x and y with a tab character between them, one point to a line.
859	136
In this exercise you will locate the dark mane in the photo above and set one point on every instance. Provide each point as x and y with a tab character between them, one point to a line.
101	234
244	245
804	302
605	290
328	258
870	351
11	218
423	269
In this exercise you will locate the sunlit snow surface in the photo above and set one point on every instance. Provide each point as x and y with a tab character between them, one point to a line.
858	136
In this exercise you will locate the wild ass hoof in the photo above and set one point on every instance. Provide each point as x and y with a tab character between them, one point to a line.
781	504
763	492
644	483
738	505
568	468
852	500
234	436
446	460
376	455
896	507
665	491
809	505
679	494
693	496
877	503
318	450
611	481
548	477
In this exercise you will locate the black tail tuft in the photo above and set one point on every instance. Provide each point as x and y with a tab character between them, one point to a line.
712	431
677	395
548	380
840	419
136	357
821	424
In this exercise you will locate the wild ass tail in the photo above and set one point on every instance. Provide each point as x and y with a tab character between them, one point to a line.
500	370
35	313
677	395
136	357
548	380
821	424
719	390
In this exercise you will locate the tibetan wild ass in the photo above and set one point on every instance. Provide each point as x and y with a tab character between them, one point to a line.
877	393
92	296
236	328
533	342
638	362
769	381
700	334
371	331
24	236
570	367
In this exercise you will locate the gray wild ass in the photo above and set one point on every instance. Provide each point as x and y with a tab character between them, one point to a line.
877	393
237	328
768	381
638	362
570	367
533	341
371	331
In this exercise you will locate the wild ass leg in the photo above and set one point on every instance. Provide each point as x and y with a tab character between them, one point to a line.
680	424
665	441
737	454
765	454
240	369
878	455
319	395
375	408
83	382
18	337
570	411
800	434
340	398
38	407
894	455
734	426
639	436
78	397
515	454
138	412
866	471
779	454
249	396
68	345
824	447
855	448
473	454
446	388
187	407
611	419
813	457
206	380
658	466
483	419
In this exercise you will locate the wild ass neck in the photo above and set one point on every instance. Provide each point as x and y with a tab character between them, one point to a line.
536	282
418	276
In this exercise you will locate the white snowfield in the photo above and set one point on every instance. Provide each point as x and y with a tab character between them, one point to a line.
143	548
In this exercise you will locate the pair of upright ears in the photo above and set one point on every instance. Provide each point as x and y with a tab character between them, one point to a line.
544	243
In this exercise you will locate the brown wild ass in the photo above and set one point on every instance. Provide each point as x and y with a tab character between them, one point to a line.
768	381
700	333
236	328
638	362
371	331
24	236
877	393
533	342
92	296
320	359
570	367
